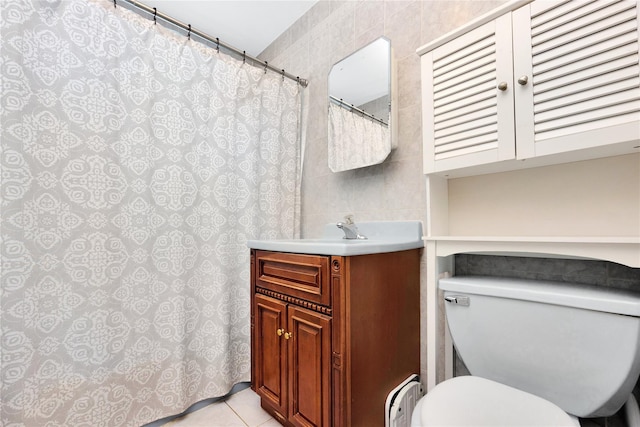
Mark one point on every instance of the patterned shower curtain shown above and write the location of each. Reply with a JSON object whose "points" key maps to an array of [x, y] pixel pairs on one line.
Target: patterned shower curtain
{"points": [[135, 163], [355, 141]]}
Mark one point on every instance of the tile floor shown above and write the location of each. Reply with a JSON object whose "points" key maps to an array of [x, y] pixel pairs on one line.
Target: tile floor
{"points": [[241, 409]]}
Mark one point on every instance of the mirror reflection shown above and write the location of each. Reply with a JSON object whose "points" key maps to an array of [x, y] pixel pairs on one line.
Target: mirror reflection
{"points": [[360, 107]]}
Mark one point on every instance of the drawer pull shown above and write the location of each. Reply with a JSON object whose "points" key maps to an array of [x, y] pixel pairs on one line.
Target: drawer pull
{"points": [[280, 332], [288, 335]]}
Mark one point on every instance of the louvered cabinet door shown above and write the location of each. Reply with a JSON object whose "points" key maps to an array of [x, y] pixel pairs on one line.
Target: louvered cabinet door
{"points": [[581, 63], [467, 120]]}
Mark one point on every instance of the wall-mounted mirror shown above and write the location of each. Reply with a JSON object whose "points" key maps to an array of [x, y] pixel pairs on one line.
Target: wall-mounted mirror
{"points": [[361, 108]]}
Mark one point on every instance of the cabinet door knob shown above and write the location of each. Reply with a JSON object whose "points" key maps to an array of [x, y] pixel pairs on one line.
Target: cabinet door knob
{"points": [[502, 86], [522, 81], [288, 335], [280, 332]]}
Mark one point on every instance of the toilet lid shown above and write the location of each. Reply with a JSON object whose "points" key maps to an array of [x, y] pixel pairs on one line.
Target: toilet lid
{"points": [[475, 401]]}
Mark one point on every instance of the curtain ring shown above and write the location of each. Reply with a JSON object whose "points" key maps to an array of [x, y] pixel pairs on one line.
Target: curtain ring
{"points": [[155, 16], [283, 74], [189, 33], [266, 63], [218, 44], [244, 56], [298, 80], [114, 4]]}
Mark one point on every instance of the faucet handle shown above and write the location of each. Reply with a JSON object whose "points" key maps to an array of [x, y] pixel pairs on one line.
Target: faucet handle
{"points": [[348, 219]]}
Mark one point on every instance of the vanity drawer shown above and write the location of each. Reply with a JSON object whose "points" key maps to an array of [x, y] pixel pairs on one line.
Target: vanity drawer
{"points": [[302, 276]]}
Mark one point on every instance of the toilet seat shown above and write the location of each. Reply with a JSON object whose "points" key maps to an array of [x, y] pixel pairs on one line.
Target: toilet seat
{"points": [[475, 401]]}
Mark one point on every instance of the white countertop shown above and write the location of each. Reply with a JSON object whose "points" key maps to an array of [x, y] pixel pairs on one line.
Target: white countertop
{"points": [[382, 236]]}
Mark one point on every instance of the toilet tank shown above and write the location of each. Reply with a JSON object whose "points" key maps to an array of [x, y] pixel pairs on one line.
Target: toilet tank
{"points": [[574, 345]]}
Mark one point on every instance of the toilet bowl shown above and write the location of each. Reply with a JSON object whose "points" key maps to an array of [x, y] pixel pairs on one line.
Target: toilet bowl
{"points": [[539, 353], [474, 401]]}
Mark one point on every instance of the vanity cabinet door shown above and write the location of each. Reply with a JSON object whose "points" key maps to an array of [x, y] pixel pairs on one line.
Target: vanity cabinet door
{"points": [[309, 351], [270, 358], [293, 361], [468, 102], [578, 74]]}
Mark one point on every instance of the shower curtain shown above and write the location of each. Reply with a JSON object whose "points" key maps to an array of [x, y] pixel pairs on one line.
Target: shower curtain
{"points": [[135, 163], [355, 141]]}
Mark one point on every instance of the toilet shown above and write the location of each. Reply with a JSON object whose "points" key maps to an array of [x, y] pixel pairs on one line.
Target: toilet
{"points": [[539, 353]]}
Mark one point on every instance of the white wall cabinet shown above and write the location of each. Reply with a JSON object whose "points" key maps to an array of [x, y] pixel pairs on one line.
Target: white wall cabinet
{"points": [[548, 82]]}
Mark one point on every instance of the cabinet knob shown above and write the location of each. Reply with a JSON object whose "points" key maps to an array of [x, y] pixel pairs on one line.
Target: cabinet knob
{"points": [[280, 332], [502, 86], [522, 81], [288, 335]]}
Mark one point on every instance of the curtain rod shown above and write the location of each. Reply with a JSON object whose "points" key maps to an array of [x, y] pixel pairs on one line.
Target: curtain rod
{"points": [[187, 27], [352, 107]]}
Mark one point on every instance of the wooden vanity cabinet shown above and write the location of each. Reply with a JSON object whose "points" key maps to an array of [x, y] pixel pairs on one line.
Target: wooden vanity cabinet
{"points": [[331, 336]]}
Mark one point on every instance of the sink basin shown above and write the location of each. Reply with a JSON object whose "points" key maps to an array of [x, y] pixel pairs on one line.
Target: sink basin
{"points": [[382, 236]]}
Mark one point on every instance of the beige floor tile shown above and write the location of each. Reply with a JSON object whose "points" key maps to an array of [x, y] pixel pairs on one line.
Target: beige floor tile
{"points": [[247, 405], [271, 423], [214, 415]]}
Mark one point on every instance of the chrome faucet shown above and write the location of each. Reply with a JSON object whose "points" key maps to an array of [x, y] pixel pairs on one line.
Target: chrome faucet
{"points": [[350, 229]]}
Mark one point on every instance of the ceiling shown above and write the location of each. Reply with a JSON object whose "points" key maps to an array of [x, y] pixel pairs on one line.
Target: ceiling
{"points": [[249, 25]]}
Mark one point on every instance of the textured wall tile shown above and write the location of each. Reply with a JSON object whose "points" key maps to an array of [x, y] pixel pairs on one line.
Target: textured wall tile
{"points": [[403, 28], [314, 223], [440, 17], [318, 13], [409, 135], [368, 14], [300, 28], [404, 187], [341, 188], [363, 38], [367, 189], [393, 7], [315, 161], [408, 81], [314, 193]]}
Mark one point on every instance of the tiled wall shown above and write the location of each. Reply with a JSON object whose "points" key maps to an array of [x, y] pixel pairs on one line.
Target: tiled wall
{"points": [[331, 30]]}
